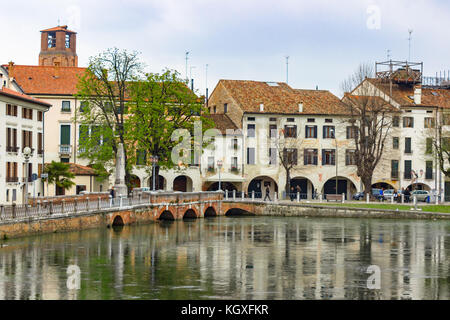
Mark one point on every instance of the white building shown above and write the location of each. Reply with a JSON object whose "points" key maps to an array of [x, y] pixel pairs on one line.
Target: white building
{"points": [[22, 125]]}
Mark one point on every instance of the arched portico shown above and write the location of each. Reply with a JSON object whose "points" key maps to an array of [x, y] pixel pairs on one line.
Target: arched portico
{"points": [[259, 184], [306, 187], [182, 183], [160, 183], [135, 181], [419, 186], [344, 186], [382, 185]]}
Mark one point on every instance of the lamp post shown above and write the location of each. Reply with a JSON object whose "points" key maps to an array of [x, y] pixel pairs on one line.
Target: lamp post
{"points": [[154, 161], [219, 166], [26, 153]]}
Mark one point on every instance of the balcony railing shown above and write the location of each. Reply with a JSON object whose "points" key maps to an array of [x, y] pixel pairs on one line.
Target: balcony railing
{"points": [[394, 175], [25, 179], [234, 170], [40, 152], [12, 149], [65, 149], [12, 179]]}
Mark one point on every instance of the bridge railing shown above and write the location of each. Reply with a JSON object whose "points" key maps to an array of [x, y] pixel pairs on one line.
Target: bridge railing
{"points": [[47, 208]]}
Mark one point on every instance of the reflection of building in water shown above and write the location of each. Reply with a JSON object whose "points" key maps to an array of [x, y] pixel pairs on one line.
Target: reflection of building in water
{"points": [[259, 258]]}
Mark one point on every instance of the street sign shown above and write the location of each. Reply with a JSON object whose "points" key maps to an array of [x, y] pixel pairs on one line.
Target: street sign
{"points": [[34, 177], [44, 175]]}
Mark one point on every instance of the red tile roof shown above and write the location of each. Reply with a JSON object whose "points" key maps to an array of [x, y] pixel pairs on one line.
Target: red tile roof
{"points": [[58, 28], [222, 122], [21, 96], [46, 79], [79, 170], [404, 94], [376, 101], [278, 97]]}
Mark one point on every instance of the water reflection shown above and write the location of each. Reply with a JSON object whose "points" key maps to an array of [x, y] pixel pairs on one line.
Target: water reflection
{"points": [[234, 258]]}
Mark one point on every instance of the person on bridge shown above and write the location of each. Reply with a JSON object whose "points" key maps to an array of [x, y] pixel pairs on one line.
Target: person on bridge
{"points": [[267, 194], [299, 190], [292, 194]]}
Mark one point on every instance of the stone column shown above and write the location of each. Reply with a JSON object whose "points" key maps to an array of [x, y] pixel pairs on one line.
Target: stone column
{"points": [[120, 188]]}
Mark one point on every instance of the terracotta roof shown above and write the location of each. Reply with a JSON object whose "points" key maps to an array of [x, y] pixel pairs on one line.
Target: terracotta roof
{"points": [[278, 97], [58, 28], [404, 94], [79, 170], [222, 122], [375, 101], [21, 96], [46, 79]]}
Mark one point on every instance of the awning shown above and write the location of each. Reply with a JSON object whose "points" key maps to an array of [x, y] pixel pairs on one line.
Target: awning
{"points": [[226, 177]]}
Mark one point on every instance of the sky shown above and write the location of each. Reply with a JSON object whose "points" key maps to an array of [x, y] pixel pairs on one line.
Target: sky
{"points": [[240, 39]]}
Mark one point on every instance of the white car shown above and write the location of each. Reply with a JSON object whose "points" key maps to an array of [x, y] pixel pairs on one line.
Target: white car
{"points": [[421, 195]]}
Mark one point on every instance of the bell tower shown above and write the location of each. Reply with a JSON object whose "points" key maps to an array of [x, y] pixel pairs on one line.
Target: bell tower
{"points": [[58, 47]]}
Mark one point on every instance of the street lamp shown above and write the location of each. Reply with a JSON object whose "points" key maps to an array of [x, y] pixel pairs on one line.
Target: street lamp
{"points": [[154, 161], [26, 153], [219, 166]]}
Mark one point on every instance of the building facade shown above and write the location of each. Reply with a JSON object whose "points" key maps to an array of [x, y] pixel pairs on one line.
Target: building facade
{"points": [[22, 123]]}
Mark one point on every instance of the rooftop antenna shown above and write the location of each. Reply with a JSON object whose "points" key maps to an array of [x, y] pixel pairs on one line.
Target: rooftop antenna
{"points": [[410, 31], [190, 75], [287, 69], [187, 54], [389, 55], [206, 84]]}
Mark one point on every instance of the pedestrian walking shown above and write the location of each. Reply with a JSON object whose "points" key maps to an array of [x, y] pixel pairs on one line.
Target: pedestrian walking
{"points": [[267, 194], [292, 194], [112, 193]]}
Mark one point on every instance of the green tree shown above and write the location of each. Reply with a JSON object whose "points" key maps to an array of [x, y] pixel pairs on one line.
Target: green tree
{"points": [[60, 175], [160, 104], [103, 92]]}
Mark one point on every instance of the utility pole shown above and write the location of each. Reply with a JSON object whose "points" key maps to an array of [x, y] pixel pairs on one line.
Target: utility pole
{"points": [[187, 54], [287, 69]]}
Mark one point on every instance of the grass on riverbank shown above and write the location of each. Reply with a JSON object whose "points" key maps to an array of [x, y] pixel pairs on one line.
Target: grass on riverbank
{"points": [[427, 208]]}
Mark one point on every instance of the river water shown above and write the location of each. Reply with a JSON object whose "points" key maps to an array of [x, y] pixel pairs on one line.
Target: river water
{"points": [[234, 258]]}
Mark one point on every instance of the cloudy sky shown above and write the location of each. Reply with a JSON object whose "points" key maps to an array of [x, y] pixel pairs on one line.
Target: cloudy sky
{"points": [[240, 39]]}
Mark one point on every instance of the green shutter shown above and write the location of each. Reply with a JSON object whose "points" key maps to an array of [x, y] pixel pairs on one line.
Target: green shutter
{"points": [[65, 135]]}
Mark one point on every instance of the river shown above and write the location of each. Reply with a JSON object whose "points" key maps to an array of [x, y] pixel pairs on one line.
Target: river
{"points": [[234, 258]]}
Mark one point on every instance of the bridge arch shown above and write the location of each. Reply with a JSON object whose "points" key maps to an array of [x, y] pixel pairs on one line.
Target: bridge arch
{"points": [[117, 221], [210, 212], [166, 215], [190, 214], [237, 212]]}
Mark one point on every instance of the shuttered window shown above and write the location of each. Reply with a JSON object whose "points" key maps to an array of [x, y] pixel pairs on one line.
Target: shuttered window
{"points": [[65, 135]]}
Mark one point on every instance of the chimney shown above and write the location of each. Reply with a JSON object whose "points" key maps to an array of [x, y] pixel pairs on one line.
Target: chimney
{"points": [[418, 94], [300, 107], [11, 69], [261, 107]]}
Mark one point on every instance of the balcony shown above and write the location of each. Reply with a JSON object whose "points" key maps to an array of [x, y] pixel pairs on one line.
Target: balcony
{"points": [[12, 149], [40, 152], [234, 170], [25, 179], [65, 149], [12, 179]]}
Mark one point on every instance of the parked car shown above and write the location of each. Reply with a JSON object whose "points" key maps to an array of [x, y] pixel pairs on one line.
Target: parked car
{"points": [[421, 195], [388, 194], [358, 196], [376, 193]]}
